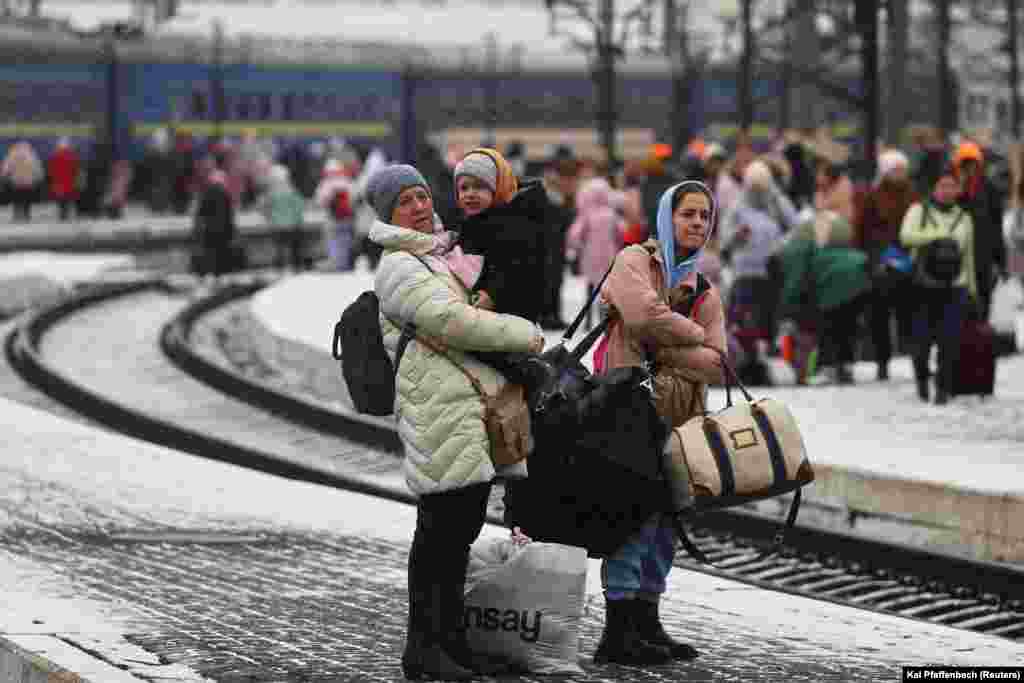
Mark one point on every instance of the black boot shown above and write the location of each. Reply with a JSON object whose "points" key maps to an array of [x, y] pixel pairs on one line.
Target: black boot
{"points": [[921, 377], [620, 641], [425, 658], [651, 630]]}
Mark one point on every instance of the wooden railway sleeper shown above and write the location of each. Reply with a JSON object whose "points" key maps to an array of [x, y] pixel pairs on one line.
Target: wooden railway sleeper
{"points": [[831, 583], [909, 602], [869, 598], [970, 612], [935, 608], [868, 586], [1009, 631]]}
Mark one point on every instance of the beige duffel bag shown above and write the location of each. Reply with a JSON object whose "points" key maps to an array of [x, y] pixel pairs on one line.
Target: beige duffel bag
{"points": [[745, 452]]}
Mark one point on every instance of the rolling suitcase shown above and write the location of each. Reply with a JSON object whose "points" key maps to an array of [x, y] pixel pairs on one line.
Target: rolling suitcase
{"points": [[975, 371]]}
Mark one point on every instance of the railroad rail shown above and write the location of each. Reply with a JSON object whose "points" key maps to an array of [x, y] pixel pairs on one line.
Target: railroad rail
{"points": [[821, 564]]}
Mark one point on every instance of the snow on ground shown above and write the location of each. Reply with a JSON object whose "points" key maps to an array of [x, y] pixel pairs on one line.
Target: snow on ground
{"points": [[875, 427], [66, 269], [38, 277]]}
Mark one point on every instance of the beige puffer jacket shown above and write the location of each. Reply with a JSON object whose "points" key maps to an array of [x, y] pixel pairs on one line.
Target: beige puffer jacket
{"points": [[439, 414]]}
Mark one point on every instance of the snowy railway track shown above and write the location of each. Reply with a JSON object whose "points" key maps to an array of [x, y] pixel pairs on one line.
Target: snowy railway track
{"points": [[143, 359]]}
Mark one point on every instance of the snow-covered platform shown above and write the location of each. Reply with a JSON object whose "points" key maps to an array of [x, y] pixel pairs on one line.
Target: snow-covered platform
{"points": [[137, 229], [887, 465], [121, 560]]}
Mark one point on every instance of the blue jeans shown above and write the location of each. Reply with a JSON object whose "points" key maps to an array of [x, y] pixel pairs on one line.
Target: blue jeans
{"points": [[639, 568]]}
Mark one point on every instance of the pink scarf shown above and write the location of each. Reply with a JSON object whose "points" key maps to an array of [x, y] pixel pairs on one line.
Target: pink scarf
{"points": [[466, 267]]}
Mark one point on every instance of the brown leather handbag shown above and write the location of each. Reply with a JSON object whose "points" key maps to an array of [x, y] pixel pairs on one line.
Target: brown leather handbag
{"points": [[506, 415]]}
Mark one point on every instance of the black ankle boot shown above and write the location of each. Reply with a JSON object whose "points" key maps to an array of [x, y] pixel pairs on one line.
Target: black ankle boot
{"points": [[620, 641], [425, 656], [922, 388], [921, 377], [651, 630]]}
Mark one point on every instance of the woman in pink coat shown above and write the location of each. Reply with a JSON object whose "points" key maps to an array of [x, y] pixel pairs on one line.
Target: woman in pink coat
{"points": [[650, 293], [597, 233]]}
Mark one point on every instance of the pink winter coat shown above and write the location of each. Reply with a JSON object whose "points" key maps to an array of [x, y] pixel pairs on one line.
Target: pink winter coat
{"points": [[598, 231], [645, 323]]}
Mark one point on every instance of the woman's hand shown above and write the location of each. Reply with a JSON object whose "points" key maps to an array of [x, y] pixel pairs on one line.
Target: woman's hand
{"points": [[538, 341], [519, 538], [483, 300]]}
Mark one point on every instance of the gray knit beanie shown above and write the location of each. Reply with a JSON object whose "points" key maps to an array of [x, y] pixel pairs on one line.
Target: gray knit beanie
{"points": [[479, 166], [386, 184]]}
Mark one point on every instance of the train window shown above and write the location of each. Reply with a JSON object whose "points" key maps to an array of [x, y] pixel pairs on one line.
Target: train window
{"points": [[199, 108], [309, 101], [1002, 114], [265, 106], [226, 106], [369, 106], [288, 106], [980, 109], [243, 107]]}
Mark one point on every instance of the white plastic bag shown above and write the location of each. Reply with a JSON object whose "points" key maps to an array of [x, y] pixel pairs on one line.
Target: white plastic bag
{"points": [[1007, 305], [1019, 332], [525, 603]]}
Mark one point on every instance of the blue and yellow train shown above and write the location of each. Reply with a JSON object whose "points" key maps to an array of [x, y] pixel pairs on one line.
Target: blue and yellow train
{"points": [[55, 85]]}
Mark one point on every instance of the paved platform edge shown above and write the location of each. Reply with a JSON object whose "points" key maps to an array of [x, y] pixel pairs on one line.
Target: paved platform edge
{"points": [[37, 658], [927, 514]]}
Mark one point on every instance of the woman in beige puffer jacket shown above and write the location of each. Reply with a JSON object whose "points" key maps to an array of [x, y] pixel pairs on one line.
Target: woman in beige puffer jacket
{"points": [[440, 415]]}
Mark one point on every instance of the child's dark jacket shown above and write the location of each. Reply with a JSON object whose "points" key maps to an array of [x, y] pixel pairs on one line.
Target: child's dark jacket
{"points": [[511, 240]]}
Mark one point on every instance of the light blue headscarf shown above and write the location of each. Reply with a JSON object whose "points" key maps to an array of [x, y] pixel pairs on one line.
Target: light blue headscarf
{"points": [[675, 272]]}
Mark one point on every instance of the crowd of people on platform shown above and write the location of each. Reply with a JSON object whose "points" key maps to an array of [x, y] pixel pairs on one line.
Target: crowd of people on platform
{"points": [[808, 260], [825, 269]]}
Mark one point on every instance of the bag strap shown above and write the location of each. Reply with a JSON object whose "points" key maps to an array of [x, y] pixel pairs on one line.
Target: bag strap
{"points": [[959, 216], [436, 348], [408, 332], [960, 212], [776, 544], [780, 537], [583, 311], [408, 329]]}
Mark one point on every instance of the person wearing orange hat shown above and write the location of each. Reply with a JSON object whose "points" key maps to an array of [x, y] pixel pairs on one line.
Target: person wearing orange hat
{"points": [[660, 176], [979, 198]]}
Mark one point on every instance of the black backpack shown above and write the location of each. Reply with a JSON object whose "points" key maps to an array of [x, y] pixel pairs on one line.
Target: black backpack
{"points": [[939, 261], [358, 344]]}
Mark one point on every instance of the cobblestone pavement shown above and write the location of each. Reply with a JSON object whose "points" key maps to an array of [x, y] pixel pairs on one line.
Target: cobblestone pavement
{"points": [[292, 607]]}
